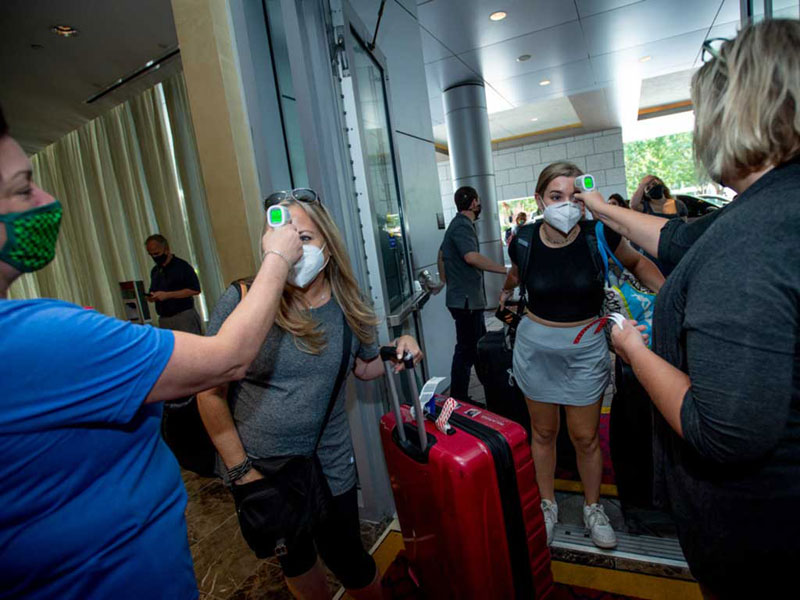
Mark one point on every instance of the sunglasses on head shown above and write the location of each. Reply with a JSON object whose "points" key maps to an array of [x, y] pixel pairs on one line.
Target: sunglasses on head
{"points": [[299, 194], [712, 48]]}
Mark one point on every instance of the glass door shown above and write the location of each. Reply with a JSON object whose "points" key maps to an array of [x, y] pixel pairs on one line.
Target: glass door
{"points": [[377, 181]]}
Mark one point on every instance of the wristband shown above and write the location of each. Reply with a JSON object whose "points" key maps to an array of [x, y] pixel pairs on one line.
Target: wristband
{"points": [[240, 470], [281, 254]]}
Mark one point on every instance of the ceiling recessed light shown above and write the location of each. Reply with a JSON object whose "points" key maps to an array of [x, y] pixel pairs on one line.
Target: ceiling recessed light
{"points": [[523, 57], [644, 59], [535, 119], [545, 82], [498, 16], [64, 30]]}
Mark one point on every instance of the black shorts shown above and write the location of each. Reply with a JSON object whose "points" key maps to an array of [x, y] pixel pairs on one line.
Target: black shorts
{"points": [[337, 539]]}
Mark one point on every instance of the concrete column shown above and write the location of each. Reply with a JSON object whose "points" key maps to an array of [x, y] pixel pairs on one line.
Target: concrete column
{"points": [[222, 130], [470, 146]]}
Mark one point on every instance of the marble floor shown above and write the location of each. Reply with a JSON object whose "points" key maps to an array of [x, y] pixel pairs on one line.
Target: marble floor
{"points": [[225, 567]]}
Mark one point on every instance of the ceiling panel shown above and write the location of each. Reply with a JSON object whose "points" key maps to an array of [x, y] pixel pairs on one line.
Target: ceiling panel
{"points": [[676, 53], [432, 49], [554, 46], [586, 8], [463, 25], [730, 11], [526, 89], [444, 73], [496, 102], [437, 109], [44, 90], [646, 22], [666, 89], [549, 114], [440, 134], [788, 12]]}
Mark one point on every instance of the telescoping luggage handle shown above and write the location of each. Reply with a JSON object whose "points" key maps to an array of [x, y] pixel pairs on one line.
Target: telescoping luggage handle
{"points": [[387, 354]]}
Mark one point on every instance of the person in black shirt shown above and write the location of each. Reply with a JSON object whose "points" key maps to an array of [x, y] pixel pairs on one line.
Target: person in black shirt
{"points": [[173, 286], [553, 364], [653, 197], [724, 373]]}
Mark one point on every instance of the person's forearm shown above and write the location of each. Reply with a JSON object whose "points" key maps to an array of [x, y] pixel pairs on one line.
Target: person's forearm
{"points": [[665, 384], [366, 370], [217, 419], [511, 281], [643, 230], [484, 263], [440, 265], [184, 293], [647, 272], [243, 332], [637, 198]]}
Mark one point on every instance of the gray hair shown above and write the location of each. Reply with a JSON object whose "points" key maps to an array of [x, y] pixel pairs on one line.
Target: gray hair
{"points": [[158, 238]]}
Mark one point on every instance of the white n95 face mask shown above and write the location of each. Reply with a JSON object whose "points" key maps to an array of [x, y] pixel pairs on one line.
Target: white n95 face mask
{"points": [[563, 215], [308, 267]]}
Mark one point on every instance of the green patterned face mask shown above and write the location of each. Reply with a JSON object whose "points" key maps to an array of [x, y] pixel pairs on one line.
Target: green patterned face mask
{"points": [[31, 237]]}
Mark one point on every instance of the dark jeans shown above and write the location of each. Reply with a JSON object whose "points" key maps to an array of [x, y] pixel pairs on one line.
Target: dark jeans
{"points": [[470, 327]]}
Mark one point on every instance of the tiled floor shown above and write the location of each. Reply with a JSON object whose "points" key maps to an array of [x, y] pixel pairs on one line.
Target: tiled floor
{"points": [[225, 567]]}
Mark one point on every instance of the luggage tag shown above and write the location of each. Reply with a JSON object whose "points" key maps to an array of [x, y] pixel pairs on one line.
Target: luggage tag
{"points": [[427, 397]]}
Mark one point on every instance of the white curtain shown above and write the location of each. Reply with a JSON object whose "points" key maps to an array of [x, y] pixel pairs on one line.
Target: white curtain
{"points": [[130, 173]]}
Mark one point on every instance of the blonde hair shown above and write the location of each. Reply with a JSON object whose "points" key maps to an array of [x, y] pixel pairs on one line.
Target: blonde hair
{"points": [[306, 331], [553, 171], [747, 102]]}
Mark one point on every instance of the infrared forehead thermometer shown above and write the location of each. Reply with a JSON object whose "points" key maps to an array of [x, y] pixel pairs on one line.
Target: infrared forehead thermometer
{"points": [[585, 183], [278, 216]]}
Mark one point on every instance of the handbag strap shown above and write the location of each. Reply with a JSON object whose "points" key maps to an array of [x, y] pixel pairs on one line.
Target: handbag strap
{"points": [[347, 340]]}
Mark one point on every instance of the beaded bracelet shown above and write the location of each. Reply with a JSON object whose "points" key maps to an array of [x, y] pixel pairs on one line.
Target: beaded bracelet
{"points": [[240, 470]]}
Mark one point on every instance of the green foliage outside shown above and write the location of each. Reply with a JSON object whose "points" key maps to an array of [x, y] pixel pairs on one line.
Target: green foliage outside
{"points": [[670, 157]]}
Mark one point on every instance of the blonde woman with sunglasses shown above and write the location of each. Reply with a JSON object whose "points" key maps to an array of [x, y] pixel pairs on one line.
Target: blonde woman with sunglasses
{"points": [[282, 406]]}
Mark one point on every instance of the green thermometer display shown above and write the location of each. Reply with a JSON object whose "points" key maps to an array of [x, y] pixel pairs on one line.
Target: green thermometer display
{"points": [[278, 216], [585, 183]]}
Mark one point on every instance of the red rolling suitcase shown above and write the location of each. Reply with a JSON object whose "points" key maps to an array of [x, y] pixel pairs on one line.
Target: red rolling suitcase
{"points": [[467, 502]]}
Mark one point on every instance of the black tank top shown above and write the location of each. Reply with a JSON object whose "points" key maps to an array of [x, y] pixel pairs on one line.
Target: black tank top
{"points": [[563, 284]]}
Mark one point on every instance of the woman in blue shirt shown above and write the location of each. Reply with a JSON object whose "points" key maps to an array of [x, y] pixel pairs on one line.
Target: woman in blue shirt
{"points": [[92, 499]]}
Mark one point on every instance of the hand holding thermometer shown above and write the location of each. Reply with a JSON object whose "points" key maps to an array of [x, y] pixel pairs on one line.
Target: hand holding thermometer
{"points": [[278, 216]]}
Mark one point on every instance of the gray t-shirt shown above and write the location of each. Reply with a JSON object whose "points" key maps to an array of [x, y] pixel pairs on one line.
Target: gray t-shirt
{"points": [[279, 406], [464, 282]]}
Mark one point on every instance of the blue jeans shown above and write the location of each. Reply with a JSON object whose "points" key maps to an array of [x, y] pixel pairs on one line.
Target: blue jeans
{"points": [[470, 327]]}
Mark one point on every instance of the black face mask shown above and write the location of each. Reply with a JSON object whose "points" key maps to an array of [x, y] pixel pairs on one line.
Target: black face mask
{"points": [[476, 211], [656, 192], [160, 259]]}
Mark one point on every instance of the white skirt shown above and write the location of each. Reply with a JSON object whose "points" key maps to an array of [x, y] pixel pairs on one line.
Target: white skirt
{"points": [[549, 367]]}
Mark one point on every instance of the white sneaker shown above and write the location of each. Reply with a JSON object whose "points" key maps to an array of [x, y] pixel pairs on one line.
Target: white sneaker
{"points": [[550, 510], [596, 521]]}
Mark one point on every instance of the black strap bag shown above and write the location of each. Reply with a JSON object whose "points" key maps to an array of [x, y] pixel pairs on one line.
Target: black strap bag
{"points": [[294, 495]]}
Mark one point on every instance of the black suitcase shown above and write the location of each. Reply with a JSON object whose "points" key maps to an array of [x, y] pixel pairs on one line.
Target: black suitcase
{"points": [[631, 439], [494, 372]]}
